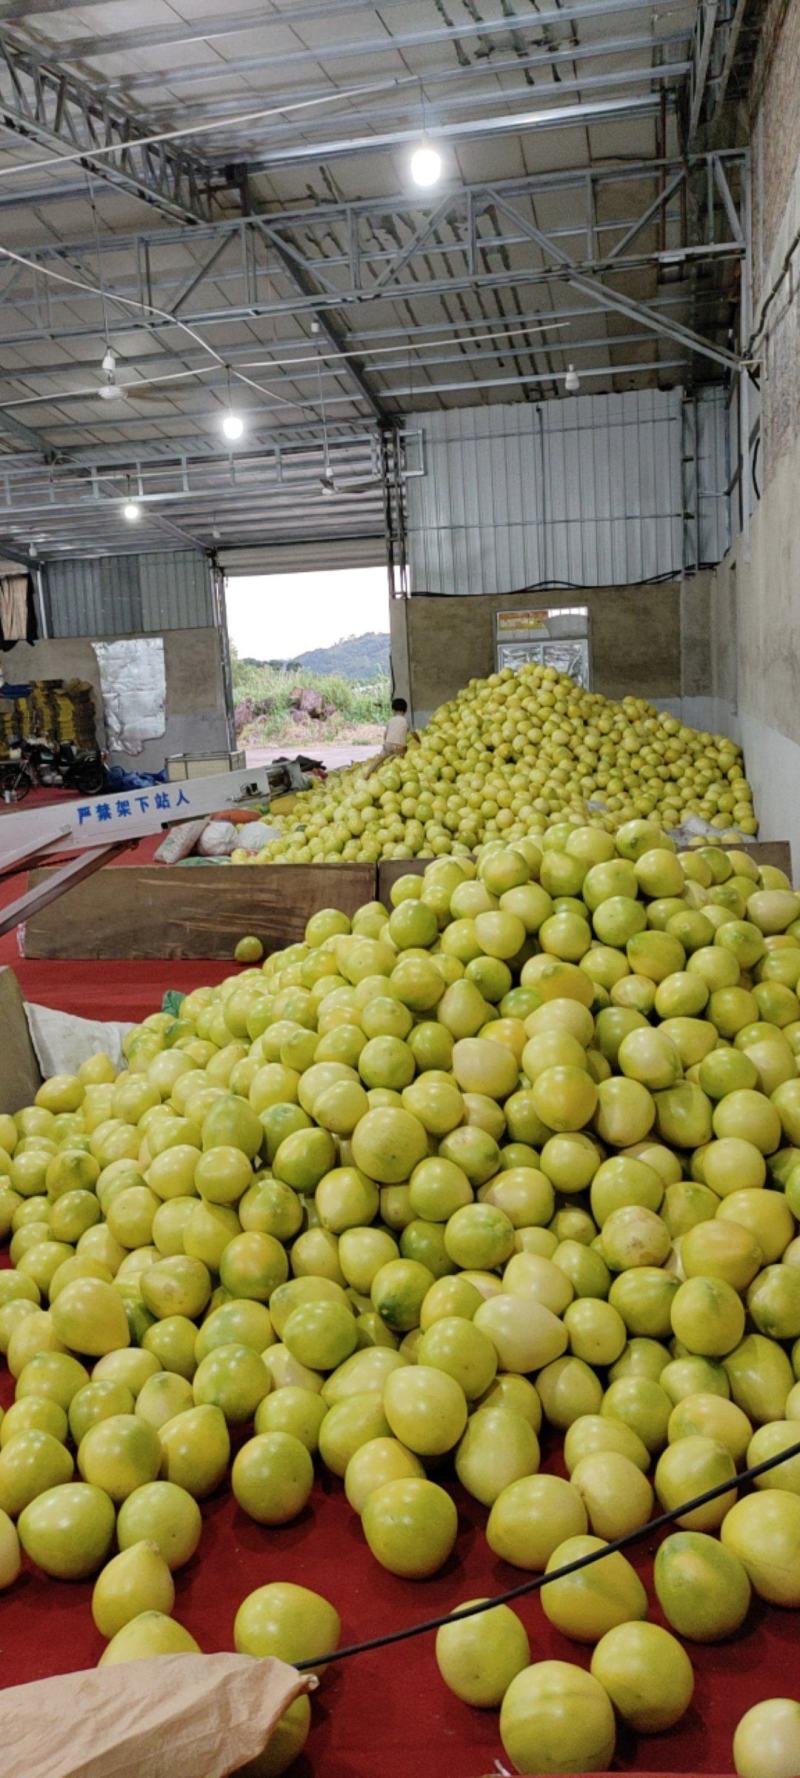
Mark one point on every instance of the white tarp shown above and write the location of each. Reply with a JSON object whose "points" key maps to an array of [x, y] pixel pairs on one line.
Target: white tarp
{"points": [[62, 1041], [133, 681]]}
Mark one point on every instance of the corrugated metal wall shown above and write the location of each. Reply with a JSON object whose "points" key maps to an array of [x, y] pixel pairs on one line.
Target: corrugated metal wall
{"points": [[586, 491], [313, 556], [129, 595], [706, 473]]}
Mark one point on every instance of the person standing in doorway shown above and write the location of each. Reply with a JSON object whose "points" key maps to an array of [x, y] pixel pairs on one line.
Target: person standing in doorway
{"points": [[396, 736]]}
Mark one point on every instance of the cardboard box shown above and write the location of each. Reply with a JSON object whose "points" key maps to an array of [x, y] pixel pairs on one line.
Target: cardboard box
{"points": [[181, 766]]}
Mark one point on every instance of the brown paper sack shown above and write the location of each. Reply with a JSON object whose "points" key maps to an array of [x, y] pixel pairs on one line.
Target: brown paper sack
{"points": [[174, 1716]]}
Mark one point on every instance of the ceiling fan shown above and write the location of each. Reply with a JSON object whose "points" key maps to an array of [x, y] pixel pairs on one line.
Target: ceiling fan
{"points": [[111, 390], [348, 490]]}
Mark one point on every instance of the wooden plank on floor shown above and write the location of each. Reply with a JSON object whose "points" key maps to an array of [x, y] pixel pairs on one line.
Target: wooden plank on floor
{"points": [[176, 911]]}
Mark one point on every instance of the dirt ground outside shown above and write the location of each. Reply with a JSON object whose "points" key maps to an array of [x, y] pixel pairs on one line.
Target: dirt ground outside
{"points": [[332, 757]]}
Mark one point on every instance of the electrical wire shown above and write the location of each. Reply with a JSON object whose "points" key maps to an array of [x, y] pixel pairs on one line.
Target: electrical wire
{"points": [[100, 278], [583, 586], [313, 358], [196, 129], [428, 1625], [145, 308]]}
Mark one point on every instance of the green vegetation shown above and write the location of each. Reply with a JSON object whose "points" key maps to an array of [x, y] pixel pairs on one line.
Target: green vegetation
{"points": [[293, 705]]}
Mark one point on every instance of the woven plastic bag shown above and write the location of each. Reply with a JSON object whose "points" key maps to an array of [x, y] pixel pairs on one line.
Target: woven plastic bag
{"points": [[175, 1716]]}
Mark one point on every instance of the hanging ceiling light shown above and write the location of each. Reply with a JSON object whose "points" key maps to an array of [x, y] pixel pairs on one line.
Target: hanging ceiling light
{"points": [[572, 381], [231, 424], [109, 362], [110, 391], [426, 164], [131, 511]]}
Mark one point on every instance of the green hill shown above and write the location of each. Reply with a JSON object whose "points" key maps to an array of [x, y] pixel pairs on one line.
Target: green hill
{"points": [[355, 657]]}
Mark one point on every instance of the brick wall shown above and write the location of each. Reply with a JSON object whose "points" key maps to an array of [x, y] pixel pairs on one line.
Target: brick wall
{"points": [[775, 135]]}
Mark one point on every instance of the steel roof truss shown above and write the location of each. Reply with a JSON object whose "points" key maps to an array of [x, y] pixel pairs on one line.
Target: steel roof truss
{"points": [[53, 109]]}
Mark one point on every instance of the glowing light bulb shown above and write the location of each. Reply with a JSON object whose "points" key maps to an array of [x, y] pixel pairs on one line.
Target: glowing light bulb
{"points": [[131, 511], [232, 425], [426, 164]]}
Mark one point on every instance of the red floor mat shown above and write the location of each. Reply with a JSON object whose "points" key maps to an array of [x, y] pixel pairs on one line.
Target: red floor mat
{"points": [[113, 989], [388, 1715]]}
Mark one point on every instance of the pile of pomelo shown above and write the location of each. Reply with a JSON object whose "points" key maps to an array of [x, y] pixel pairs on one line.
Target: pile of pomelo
{"points": [[502, 759], [515, 1158]]}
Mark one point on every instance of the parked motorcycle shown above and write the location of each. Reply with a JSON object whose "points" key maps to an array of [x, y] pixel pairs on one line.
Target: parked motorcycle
{"points": [[36, 763]]}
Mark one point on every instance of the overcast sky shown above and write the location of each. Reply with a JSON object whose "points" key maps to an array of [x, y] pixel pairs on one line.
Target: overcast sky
{"points": [[279, 616]]}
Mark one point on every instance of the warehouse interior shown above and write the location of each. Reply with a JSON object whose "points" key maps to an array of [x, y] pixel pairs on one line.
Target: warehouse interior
{"points": [[268, 253], [501, 295]]}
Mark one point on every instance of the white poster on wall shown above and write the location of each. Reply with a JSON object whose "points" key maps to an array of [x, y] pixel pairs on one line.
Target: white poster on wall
{"points": [[133, 682]]}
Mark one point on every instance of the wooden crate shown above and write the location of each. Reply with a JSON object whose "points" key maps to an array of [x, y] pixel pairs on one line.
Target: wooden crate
{"points": [[776, 852], [173, 911], [143, 911], [392, 868]]}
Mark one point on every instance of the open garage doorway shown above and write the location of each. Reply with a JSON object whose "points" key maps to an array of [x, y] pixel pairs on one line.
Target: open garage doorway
{"points": [[310, 662]]}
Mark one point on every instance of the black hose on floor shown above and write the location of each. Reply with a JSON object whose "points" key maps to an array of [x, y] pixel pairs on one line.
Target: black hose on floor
{"points": [[544, 1580]]}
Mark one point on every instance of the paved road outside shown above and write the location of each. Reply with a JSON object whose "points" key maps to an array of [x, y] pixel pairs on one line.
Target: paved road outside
{"points": [[331, 757]]}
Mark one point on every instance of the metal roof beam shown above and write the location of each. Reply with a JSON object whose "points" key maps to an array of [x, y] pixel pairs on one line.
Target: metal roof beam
{"points": [[289, 447], [523, 276], [64, 115], [476, 129], [329, 326], [618, 303], [527, 23], [459, 356], [730, 33], [55, 111], [15, 12], [364, 268], [396, 204], [16, 429], [661, 73], [36, 196], [648, 368], [372, 341], [446, 74], [11, 550], [703, 42]]}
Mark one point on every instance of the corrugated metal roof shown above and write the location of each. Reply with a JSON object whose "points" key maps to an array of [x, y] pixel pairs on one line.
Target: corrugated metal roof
{"points": [[316, 105]]}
